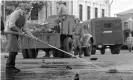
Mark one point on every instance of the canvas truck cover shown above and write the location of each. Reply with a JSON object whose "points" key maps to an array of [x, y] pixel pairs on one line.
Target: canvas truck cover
{"points": [[107, 31]]}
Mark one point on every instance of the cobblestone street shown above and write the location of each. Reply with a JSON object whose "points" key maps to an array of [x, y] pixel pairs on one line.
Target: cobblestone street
{"points": [[31, 69]]}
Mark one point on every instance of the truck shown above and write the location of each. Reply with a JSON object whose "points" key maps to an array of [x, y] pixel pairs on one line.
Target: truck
{"points": [[107, 32], [59, 36]]}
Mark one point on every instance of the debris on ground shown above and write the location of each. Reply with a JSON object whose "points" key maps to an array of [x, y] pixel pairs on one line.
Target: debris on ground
{"points": [[113, 71]]}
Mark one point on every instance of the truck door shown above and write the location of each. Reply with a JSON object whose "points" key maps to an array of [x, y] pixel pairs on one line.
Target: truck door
{"points": [[112, 32], [98, 29], [108, 31]]}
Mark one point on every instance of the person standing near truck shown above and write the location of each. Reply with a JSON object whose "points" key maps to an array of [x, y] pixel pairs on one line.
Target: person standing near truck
{"points": [[77, 35], [16, 23], [2, 26], [130, 42], [62, 11]]}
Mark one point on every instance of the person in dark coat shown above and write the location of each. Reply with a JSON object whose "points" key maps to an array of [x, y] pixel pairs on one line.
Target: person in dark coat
{"points": [[2, 25], [16, 23], [2, 36]]}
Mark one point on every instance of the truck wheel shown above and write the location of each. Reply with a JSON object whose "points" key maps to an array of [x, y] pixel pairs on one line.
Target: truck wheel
{"points": [[57, 53], [87, 50], [68, 47], [115, 50], [47, 54], [32, 53], [118, 51], [93, 52], [25, 53], [102, 51]]}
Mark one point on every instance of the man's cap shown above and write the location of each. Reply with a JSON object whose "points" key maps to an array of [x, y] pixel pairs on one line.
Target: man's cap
{"points": [[77, 19], [61, 2]]}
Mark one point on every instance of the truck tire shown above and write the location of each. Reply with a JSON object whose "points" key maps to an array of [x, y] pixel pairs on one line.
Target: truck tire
{"points": [[115, 50], [87, 50], [55, 53], [25, 53], [93, 52], [87, 42], [68, 47], [47, 54], [102, 51], [32, 53]]}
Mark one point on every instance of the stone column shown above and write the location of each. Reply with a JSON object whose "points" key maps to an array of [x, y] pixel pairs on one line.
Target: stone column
{"points": [[92, 10], [84, 11], [75, 8]]}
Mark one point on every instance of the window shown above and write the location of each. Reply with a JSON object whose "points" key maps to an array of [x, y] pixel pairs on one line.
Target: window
{"points": [[88, 26], [96, 12], [80, 12], [103, 11], [107, 25], [88, 12], [125, 25], [34, 12], [34, 15], [85, 27]]}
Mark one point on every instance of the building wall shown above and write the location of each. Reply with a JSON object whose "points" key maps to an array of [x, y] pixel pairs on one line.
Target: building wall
{"points": [[93, 4], [73, 8], [127, 21]]}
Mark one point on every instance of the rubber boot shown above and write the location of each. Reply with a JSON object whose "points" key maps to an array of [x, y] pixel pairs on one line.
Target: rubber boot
{"points": [[10, 64], [80, 52]]}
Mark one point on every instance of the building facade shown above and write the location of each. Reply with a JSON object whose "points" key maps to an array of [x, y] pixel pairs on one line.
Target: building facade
{"points": [[127, 19], [88, 9], [82, 9]]}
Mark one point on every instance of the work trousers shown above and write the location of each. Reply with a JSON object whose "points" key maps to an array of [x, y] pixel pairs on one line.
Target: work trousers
{"points": [[11, 60], [77, 45]]}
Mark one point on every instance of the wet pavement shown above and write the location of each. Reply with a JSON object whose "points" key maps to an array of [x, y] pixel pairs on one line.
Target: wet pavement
{"points": [[67, 69]]}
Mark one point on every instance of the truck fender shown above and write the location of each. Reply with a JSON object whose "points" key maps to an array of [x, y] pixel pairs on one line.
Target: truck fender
{"points": [[85, 40]]}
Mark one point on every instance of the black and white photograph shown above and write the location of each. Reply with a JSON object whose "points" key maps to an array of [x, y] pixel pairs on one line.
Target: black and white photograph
{"points": [[66, 40]]}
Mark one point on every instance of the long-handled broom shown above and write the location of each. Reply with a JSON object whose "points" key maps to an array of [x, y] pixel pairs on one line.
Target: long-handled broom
{"points": [[35, 38]]}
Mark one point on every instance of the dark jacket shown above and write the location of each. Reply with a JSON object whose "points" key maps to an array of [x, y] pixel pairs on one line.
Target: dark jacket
{"points": [[2, 25]]}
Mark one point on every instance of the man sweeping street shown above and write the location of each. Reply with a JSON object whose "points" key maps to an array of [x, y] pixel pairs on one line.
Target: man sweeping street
{"points": [[16, 23]]}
